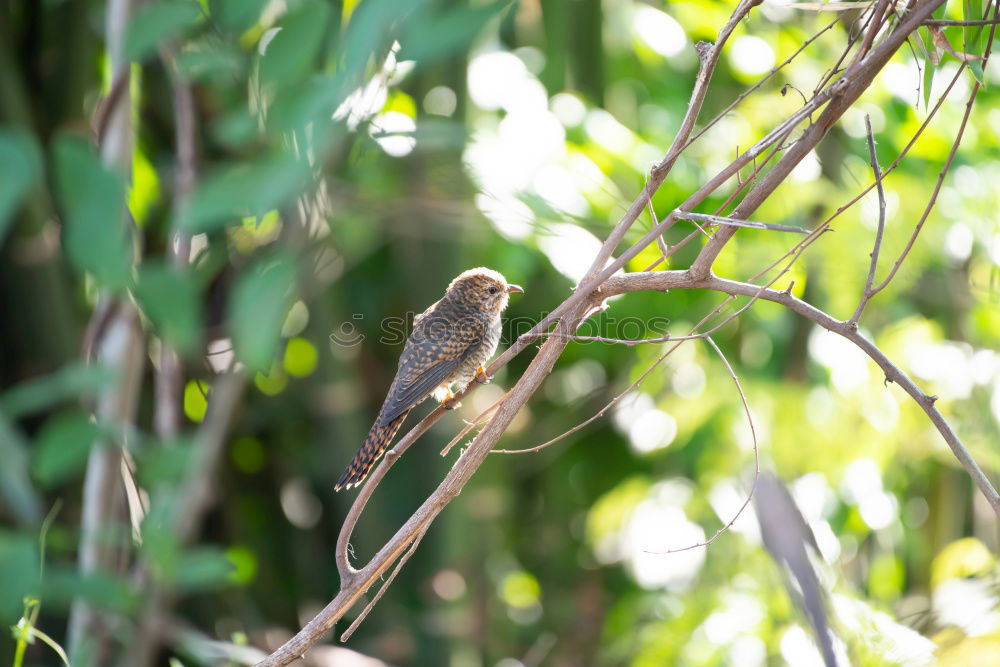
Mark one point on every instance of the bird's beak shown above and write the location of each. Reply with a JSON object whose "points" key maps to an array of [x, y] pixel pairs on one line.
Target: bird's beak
{"points": [[515, 288]]}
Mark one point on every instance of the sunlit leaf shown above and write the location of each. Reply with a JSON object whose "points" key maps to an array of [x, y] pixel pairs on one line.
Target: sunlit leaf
{"points": [[170, 300], [145, 189], [244, 564], [20, 169], [93, 202], [155, 23], [929, 68], [195, 401], [62, 447], [261, 299], [976, 67], [300, 357], [237, 191], [966, 557], [972, 36]]}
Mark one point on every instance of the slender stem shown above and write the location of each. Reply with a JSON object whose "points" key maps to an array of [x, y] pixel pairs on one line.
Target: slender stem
{"points": [[880, 230]]}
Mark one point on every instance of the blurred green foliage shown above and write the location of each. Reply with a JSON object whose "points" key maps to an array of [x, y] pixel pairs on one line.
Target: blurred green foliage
{"points": [[352, 157]]}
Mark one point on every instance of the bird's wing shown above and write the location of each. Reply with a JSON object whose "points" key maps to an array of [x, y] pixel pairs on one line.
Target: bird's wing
{"points": [[427, 361]]}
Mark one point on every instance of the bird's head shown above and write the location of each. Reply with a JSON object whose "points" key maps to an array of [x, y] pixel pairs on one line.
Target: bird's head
{"points": [[482, 288]]}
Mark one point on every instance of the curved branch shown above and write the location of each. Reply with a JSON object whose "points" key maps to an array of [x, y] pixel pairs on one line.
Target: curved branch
{"points": [[634, 282]]}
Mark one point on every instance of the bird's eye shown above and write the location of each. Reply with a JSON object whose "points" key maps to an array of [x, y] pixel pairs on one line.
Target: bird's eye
{"points": [[494, 289]]}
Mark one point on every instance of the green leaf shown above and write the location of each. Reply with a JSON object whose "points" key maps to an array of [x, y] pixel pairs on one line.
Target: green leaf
{"points": [[93, 202], [170, 300], [292, 51], [976, 67], [371, 30], [202, 569], [70, 382], [261, 299], [154, 24], [928, 80], [429, 38], [18, 573], [164, 465], [20, 169], [62, 447], [237, 15], [243, 190], [62, 584], [205, 63], [15, 485]]}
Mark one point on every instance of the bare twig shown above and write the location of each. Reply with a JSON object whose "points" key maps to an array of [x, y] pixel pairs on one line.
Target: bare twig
{"points": [[877, 171], [756, 458], [610, 404], [842, 93], [632, 282], [481, 418], [381, 591], [934, 194]]}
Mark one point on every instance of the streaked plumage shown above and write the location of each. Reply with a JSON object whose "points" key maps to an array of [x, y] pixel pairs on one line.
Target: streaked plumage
{"points": [[450, 342]]}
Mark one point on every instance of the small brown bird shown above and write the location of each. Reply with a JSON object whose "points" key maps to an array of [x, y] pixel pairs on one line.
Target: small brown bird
{"points": [[450, 343]]}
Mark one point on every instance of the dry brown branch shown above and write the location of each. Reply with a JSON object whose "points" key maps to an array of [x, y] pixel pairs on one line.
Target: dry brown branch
{"points": [[385, 585], [601, 282]]}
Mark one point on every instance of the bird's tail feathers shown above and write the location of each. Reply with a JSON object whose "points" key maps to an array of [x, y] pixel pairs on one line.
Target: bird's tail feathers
{"points": [[371, 449]]}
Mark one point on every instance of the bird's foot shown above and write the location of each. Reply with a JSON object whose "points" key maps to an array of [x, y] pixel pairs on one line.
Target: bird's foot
{"points": [[450, 402], [481, 377]]}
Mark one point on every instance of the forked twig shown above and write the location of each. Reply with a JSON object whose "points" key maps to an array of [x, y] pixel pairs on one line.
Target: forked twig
{"points": [[381, 591]]}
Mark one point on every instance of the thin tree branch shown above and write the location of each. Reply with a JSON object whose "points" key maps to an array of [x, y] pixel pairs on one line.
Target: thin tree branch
{"points": [[877, 171], [385, 586], [756, 458], [934, 194], [169, 380], [843, 93], [664, 280]]}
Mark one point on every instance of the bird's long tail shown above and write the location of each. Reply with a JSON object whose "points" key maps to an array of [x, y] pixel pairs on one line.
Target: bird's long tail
{"points": [[374, 445]]}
